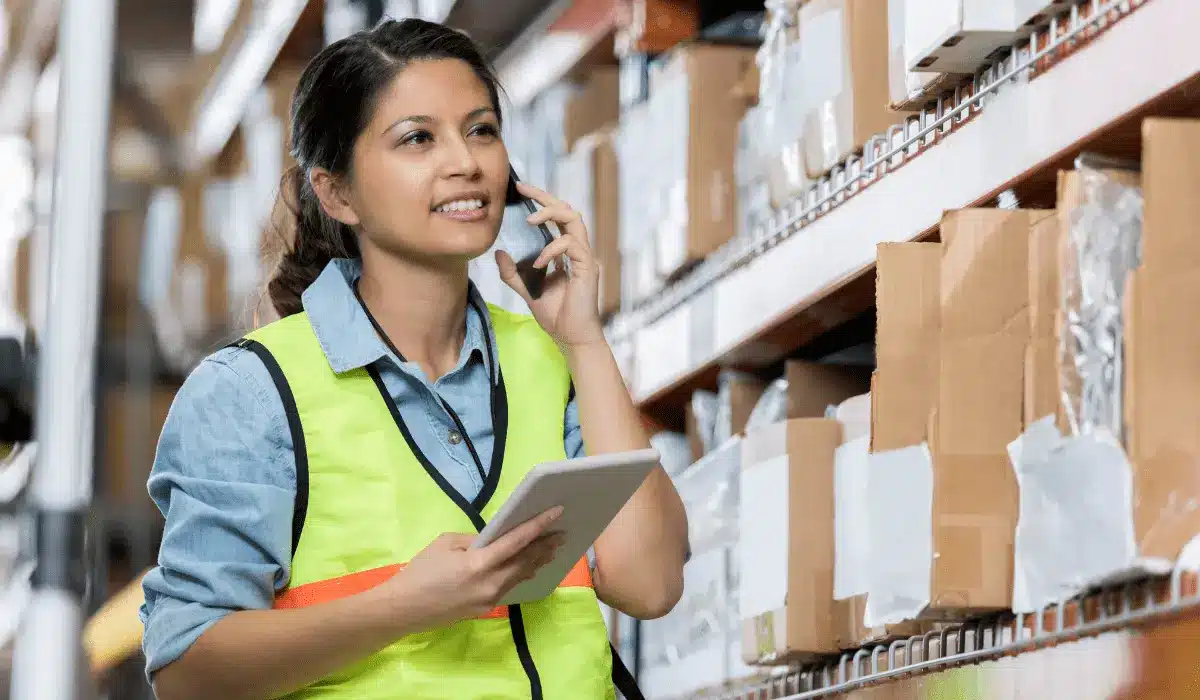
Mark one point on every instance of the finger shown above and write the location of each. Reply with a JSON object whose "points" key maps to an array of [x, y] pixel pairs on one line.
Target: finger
{"points": [[570, 246], [510, 544], [569, 221], [538, 195], [508, 274]]}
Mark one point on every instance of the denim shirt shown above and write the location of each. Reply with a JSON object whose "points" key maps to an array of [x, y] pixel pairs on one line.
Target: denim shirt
{"points": [[225, 473]]}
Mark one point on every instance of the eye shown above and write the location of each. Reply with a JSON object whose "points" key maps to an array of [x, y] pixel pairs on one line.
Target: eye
{"points": [[485, 130], [416, 138]]}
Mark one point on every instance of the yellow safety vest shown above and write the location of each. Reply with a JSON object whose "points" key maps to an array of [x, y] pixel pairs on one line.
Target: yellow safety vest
{"points": [[368, 501]]}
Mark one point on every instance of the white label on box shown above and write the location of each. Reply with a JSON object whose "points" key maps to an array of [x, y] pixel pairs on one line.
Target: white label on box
{"points": [[851, 519], [823, 47], [1076, 513], [763, 525], [900, 497]]}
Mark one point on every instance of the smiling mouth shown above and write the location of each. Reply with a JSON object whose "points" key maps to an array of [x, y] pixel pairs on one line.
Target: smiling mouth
{"points": [[460, 206]]}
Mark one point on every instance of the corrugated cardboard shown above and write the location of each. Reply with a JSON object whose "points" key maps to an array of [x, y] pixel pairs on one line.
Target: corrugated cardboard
{"points": [[1163, 374], [703, 75], [805, 625], [814, 386], [1045, 298], [908, 304], [588, 178], [595, 106], [984, 332], [847, 78]]}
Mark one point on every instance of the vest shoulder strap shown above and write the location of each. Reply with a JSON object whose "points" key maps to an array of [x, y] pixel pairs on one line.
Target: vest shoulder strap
{"points": [[295, 427]]}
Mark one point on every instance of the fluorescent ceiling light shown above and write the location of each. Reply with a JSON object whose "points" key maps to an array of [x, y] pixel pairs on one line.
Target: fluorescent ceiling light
{"points": [[435, 10], [541, 63], [212, 20], [239, 75]]}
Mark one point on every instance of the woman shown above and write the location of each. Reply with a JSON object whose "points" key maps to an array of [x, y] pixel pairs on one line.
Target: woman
{"points": [[322, 478]]}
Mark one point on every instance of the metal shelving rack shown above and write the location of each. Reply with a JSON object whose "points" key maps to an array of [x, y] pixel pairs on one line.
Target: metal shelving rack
{"points": [[1105, 609], [884, 153], [48, 659]]}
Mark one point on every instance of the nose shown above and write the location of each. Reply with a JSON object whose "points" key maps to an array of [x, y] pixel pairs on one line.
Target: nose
{"points": [[459, 160]]}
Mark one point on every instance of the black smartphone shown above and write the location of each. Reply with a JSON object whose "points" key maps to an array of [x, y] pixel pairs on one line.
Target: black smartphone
{"points": [[533, 277]]}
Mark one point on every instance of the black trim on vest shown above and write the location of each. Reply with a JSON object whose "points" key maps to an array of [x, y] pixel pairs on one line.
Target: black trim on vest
{"points": [[300, 507], [625, 681], [466, 507]]}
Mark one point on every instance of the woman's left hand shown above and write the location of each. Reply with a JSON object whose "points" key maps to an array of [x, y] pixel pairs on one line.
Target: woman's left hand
{"points": [[567, 309]]}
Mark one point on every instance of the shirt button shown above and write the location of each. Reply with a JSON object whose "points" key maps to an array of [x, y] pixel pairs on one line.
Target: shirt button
{"points": [[454, 437]]}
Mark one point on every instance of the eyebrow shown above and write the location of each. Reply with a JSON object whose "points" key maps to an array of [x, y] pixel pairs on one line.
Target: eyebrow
{"points": [[426, 119]]}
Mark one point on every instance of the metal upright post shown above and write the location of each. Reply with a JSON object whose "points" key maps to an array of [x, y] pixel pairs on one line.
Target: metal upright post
{"points": [[48, 663]]}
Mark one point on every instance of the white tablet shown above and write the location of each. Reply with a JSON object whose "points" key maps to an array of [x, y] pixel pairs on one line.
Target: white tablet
{"points": [[591, 490]]}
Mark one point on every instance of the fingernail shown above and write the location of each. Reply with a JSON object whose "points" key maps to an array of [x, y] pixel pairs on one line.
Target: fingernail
{"points": [[556, 512], [530, 218]]}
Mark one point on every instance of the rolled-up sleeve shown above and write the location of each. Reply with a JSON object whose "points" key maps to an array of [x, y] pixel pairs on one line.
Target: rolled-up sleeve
{"points": [[572, 431], [224, 477]]}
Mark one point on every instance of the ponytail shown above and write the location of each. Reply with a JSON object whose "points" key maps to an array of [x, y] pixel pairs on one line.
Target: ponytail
{"points": [[306, 239]]}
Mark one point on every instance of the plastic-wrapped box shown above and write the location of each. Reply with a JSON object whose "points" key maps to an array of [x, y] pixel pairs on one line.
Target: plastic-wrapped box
{"points": [[844, 54], [750, 174], [1102, 248], [1091, 526], [781, 103], [697, 645]]}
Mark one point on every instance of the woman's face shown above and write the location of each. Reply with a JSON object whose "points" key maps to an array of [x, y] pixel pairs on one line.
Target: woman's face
{"points": [[430, 170]]}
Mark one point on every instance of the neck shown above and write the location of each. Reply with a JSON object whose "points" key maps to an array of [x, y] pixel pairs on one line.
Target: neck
{"points": [[421, 308]]}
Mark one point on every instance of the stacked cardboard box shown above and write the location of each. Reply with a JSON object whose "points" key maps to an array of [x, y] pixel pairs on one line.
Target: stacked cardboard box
{"points": [[1163, 376], [587, 178], [984, 331]]}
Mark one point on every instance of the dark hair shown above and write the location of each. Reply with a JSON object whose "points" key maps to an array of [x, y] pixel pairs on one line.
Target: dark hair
{"points": [[333, 102]]}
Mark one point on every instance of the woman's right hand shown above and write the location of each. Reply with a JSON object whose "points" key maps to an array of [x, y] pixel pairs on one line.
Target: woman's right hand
{"points": [[448, 581]]}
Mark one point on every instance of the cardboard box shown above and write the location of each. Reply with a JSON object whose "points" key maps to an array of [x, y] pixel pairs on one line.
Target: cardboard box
{"points": [[957, 36], [908, 303], [655, 26], [701, 216], [982, 339], [595, 106], [676, 153], [813, 386], [127, 441], [1163, 377], [1045, 298], [200, 286], [845, 64], [910, 91], [587, 178], [787, 541]]}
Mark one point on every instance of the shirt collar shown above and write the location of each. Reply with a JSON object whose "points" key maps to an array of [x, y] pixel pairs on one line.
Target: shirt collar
{"points": [[347, 336]]}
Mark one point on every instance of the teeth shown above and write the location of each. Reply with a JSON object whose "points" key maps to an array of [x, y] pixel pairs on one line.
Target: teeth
{"points": [[461, 205]]}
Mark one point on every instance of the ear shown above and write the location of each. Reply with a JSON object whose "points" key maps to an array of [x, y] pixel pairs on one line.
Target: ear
{"points": [[333, 200]]}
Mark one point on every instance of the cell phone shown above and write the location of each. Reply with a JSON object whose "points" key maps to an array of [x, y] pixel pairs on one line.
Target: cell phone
{"points": [[533, 277]]}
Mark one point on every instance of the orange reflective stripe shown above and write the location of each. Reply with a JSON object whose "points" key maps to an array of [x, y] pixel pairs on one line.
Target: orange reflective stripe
{"points": [[580, 576]]}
